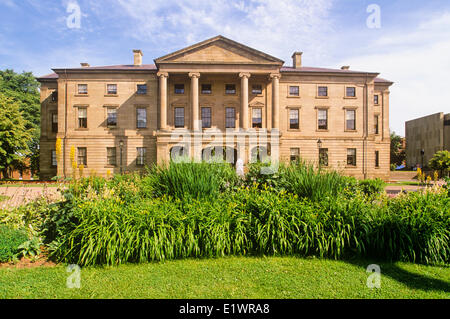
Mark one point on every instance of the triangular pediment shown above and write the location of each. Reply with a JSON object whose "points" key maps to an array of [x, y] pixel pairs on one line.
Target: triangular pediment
{"points": [[218, 50]]}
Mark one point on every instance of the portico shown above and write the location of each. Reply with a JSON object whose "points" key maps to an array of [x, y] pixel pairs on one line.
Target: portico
{"points": [[218, 63]]}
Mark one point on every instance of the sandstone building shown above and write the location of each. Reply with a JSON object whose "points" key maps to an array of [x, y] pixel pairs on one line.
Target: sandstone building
{"points": [[426, 135], [121, 118]]}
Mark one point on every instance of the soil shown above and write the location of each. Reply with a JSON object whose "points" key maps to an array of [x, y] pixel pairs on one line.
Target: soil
{"points": [[41, 261]]}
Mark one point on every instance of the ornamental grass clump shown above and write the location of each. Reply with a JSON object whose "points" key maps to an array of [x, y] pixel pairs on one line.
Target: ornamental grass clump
{"points": [[192, 179], [412, 227]]}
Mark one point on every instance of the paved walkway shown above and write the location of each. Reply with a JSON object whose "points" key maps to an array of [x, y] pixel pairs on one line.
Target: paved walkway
{"points": [[17, 196]]}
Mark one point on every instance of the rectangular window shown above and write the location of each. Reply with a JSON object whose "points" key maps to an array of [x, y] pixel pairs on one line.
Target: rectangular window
{"points": [[206, 117], [111, 120], [142, 89], [351, 156], [350, 121], [54, 160], [294, 119], [377, 158], [179, 117], [82, 117], [323, 156], [55, 122], [322, 119], [141, 117], [257, 118], [111, 156], [350, 92], [295, 154], [140, 159], [256, 89], [294, 90], [375, 99], [375, 124], [230, 88], [322, 91], [54, 96], [82, 156], [206, 89], [179, 88], [111, 88], [230, 117], [82, 89]]}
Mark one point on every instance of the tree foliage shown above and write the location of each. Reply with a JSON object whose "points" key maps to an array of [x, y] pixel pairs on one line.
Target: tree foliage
{"points": [[440, 161], [14, 137], [398, 154], [23, 90]]}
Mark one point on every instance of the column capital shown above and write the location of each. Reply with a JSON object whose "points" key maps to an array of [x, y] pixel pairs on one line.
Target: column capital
{"points": [[194, 74], [275, 75], [162, 74], [244, 75]]}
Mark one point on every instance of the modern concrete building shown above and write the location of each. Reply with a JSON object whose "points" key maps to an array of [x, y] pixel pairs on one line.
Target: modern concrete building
{"points": [[426, 135], [120, 118]]}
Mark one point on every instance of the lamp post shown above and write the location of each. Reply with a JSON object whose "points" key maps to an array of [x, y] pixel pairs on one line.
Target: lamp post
{"points": [[422, 153], [319, 146], [121, 152]]}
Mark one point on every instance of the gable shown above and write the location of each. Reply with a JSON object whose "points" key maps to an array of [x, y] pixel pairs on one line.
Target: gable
{"points": [[218, 50], [214, 53]]}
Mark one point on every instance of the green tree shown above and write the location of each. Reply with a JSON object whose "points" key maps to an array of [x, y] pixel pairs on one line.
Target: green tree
{"points": [[398, 154], [23, 89], [14, 137], [440, 162]]}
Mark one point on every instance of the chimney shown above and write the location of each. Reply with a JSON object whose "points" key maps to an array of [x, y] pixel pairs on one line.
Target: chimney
{"points": [[137, 57], [345, 67], [85, 65], [297, 60]]}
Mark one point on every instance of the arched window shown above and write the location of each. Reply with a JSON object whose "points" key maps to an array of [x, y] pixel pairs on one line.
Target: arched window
{"points": [[178, 153], [220, 154], [260, 154]]}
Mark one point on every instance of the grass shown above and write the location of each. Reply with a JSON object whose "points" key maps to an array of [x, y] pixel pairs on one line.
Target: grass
{"points": [[3, 197], [234, 277]]}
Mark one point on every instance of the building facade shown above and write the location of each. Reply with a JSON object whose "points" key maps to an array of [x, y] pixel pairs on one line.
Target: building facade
{"points": [[114, 119], [425, 136]]}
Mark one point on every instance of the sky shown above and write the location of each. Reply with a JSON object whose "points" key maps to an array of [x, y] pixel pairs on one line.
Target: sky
{"points": [[407, 43]]}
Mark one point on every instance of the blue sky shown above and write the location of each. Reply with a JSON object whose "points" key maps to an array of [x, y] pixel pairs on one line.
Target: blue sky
{"points": [[411, 48]]}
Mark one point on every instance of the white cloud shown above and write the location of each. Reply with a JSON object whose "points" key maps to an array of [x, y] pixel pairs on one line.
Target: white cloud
{"points": [[8, 3], [418, 62], [278, 27]]}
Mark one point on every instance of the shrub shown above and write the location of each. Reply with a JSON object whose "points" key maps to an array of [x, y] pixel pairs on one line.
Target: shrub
{"points": [[27, 217], [441, 162], [10, 240], [371, 186]]}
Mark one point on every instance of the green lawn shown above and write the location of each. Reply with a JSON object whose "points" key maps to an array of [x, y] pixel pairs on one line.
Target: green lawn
{"points": [[234, 277], [3, 197]]}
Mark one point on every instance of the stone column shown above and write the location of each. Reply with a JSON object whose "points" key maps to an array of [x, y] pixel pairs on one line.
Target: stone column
{"points": [[244, 99], [163, 99], [194, 101], [275, 100]]}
